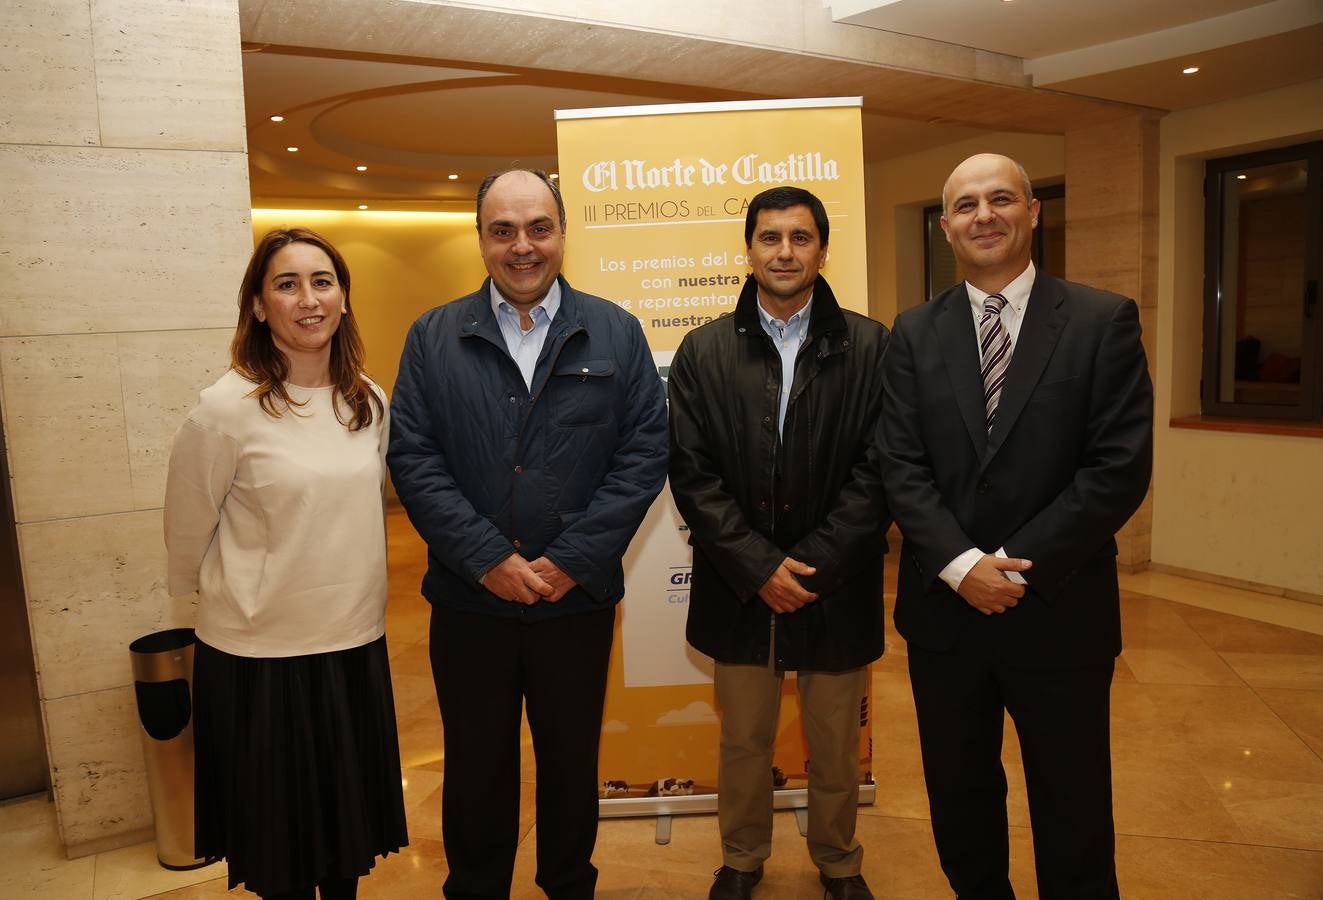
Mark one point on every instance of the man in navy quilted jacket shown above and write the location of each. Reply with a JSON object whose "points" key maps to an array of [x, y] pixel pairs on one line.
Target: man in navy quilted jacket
{"points": [[528, 438]]}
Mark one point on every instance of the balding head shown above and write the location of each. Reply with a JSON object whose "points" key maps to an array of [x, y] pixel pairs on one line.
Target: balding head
{"points": [[979, 159], [989, 216], [521, 234], [520, 175]]}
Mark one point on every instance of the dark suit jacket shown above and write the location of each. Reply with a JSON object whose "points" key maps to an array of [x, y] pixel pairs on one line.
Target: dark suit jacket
{"points": [[1067, 463]]}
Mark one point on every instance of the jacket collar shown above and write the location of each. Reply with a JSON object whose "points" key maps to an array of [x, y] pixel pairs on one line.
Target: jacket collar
{"points": [[955, 332], [479, 319], [1043, 322], [827, 316]]}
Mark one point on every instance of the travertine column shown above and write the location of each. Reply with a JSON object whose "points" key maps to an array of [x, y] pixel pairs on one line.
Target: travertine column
{"points": [[122, 152], [1112, 243]]}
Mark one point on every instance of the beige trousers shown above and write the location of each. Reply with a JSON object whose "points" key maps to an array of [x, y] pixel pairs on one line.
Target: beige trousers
{"points": [[750, 699]]}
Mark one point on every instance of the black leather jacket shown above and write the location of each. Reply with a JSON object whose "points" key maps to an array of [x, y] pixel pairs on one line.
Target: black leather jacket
{"points": [[751, 497]]}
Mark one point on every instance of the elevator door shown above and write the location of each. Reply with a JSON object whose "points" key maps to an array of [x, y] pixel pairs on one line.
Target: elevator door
{"points": [[22, 752]]}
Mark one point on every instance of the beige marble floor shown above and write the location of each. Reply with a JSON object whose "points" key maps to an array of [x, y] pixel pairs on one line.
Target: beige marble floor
{"points": [[1217, 742]]}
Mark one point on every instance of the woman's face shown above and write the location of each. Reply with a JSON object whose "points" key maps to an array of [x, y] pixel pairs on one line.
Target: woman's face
{"points": [[301, 300]]}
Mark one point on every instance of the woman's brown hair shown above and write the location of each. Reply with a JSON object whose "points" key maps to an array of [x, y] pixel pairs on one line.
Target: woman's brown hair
{"points": [[255, 356]]}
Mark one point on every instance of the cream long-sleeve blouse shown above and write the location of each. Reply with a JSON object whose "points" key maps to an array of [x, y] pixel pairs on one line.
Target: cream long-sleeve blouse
{"points": [[278, 523]]}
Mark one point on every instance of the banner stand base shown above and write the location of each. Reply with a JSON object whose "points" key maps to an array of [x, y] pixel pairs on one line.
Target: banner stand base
{"points": [[694, 804]]}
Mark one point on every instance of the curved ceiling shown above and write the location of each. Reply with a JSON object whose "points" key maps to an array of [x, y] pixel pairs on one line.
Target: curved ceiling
{"points": [[413, 123], [425, 119], [393, 132]]}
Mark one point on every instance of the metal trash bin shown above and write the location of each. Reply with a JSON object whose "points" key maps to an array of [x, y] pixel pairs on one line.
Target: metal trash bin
{"points": [[163, 682]]}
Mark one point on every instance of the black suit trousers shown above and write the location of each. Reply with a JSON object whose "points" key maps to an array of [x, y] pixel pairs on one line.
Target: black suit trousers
{"points": [[485, 669], [1061, 717]]}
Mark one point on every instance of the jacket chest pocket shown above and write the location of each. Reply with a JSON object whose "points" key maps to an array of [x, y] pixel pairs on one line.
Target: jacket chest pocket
{"points": [[582, 392], [1060, 389]]}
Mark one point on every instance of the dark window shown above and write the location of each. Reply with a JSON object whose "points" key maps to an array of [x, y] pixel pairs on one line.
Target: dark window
{"points": [[940, 270], [1261, 269], [939, 264], [1050, 236]]}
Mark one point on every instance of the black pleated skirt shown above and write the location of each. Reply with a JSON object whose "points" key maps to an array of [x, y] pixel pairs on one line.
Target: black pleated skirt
{"points": [[298, 765]]}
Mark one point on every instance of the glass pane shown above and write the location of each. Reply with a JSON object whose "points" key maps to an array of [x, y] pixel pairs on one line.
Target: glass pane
{"points": [[1052, 225], [942, 270], [1261, 284]]}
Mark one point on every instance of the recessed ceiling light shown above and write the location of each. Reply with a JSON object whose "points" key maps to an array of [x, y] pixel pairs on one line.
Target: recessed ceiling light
{"points": [[453, 177], [277, 118], [292, 149], [361, 168], [1240, 177], [1189, 70], [362, 206], [554, 176]]}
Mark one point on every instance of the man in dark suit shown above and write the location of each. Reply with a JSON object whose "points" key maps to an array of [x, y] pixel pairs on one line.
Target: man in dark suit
{"points": [[1016, 441]]}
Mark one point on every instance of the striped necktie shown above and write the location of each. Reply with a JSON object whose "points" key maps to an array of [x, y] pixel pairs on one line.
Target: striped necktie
{"points": [[995, 348]]}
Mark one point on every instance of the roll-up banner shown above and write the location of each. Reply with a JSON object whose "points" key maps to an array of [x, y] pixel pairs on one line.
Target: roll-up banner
{"points": [[656, 198]]}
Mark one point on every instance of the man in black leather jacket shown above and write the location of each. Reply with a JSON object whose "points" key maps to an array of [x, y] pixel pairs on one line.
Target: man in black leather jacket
{"points": [[773, 466]]}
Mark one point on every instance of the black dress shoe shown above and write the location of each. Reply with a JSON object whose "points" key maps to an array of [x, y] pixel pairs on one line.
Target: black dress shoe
{"points": [[852, 887], [732, 884]]}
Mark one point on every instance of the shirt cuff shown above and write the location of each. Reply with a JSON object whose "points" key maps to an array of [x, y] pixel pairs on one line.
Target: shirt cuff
{"points": [[1012, 577], [958, 568]]}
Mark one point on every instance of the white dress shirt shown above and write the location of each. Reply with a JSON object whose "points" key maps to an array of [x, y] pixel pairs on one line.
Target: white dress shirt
{"points": [[526, 346], [788, 336]]}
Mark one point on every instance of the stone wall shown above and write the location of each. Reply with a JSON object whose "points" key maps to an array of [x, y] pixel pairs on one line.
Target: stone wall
{"points": [[126, 230]]}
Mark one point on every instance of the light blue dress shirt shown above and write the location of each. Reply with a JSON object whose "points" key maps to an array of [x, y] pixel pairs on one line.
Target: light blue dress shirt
{"points": [[788, 338], [526, 346]]}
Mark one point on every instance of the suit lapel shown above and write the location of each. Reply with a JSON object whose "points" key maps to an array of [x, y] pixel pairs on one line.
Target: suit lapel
{"points": [[1044, 320], [955, 330]]}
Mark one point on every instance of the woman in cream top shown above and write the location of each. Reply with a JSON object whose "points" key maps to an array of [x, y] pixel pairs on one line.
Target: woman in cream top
{"points": [[278, 523], [274, 515]]}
